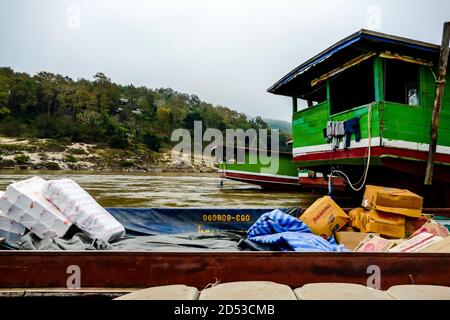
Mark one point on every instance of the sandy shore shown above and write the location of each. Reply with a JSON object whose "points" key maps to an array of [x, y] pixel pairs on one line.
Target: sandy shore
{"points": [[45, 154]]}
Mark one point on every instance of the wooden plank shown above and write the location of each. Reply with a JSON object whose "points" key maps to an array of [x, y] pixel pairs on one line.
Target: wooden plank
{"points": [[443, 62]]}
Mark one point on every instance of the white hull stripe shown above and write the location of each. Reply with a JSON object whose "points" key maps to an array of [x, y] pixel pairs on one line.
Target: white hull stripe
{"points": [[259, 174], [364, 143], [414, 146]]}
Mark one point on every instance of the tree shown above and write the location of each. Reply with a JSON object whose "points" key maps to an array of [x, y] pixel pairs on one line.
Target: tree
{"points": [[258, 123], [151, 140], [4, 96], [48, 90]]}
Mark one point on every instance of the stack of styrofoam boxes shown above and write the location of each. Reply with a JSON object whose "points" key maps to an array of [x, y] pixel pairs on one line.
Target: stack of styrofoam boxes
{"points": [[10, 229], [24, 203], [80, 208]]}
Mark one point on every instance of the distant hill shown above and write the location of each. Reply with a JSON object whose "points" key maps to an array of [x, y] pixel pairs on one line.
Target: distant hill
{"points": [[281, 125]]}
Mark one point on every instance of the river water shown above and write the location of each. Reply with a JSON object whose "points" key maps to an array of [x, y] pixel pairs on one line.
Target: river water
{"points": [[168, 190]]}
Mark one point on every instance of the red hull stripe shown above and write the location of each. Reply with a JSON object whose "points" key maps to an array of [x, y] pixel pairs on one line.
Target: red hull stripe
{"points": [[375, 151], [252, 177]]}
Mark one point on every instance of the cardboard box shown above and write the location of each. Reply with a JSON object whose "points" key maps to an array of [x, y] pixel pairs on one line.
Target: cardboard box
{"points": [[398, 201], [355, 217], [434, 228], [374, 243], [383, 223], [325, 217], [414, 224], [350, 239], [442, 246], [417, 243]]}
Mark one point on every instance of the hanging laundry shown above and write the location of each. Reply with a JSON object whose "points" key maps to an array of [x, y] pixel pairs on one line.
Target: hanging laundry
{"points": [[334, 132], [352, 127]]}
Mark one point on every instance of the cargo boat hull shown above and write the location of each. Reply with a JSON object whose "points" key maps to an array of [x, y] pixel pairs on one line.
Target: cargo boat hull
{"points": [[107, 273], [20, 269]]}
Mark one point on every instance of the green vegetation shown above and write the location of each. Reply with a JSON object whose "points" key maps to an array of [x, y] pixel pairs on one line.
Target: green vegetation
{"points": [[22, 159], [70, 158], [51, 165], [76, 151], [53, 106], [126, 164]]}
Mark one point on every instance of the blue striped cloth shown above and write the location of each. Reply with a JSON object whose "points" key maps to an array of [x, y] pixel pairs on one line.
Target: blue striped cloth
{"points": [[290, 234]]}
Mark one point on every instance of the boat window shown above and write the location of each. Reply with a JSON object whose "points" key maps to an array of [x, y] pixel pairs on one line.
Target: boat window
{"points": [[352, 88], [401, 82], [315, 97]]}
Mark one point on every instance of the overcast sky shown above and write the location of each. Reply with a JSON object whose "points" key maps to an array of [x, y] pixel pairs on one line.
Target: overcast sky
{"points": [[228, 52]]}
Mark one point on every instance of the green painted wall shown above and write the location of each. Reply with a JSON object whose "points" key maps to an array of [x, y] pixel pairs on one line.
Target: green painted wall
{"points": [[308, 124], [401, 122], [398, 122]]}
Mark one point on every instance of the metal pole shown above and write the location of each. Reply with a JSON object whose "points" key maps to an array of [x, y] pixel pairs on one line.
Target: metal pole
{"points": [[443, 61]]}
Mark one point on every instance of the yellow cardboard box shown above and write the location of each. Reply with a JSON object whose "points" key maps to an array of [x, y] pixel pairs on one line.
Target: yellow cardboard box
{"points": [[324, 217], [399, 201], [355, 217], [350, 239], [384, 223]]}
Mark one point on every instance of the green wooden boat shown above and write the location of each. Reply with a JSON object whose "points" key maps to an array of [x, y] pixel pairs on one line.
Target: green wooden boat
{"points": [[259, 173], [387, 83], [287, 176]]}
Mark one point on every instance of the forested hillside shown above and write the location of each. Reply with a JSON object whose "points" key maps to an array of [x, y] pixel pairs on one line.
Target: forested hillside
{"points": [[48, 105]]}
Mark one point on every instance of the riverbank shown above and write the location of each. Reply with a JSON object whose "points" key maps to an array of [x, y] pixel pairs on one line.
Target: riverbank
{"points": [[47, 154]]}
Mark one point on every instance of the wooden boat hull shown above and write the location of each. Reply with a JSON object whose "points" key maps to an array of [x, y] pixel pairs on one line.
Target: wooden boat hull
{"points": [[19, 269], [122, 270]]}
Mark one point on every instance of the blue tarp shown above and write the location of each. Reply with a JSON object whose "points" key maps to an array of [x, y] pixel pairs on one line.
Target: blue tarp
{"points": [[154, 221], [289, 234]]}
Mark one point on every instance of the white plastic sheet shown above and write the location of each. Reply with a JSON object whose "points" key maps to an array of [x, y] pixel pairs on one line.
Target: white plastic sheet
{"points": [[81, 209]]}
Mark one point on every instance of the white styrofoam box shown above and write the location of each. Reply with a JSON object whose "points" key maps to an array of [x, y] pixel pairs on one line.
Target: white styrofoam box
{"points": [[25, 203], [9, 225], [80, 208]]}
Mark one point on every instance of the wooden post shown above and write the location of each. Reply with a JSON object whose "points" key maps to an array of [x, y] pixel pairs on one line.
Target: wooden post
{"points": [[443, 61], [294, 105]]}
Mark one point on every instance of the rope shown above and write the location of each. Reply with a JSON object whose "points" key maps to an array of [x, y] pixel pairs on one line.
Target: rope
{"points": [[366, 171]]}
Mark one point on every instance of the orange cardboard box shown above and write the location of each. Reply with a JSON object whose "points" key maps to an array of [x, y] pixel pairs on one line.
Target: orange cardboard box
{"points": [[392, 200], [355, 217], [324, 217], [386, 224], [383, 223]]}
